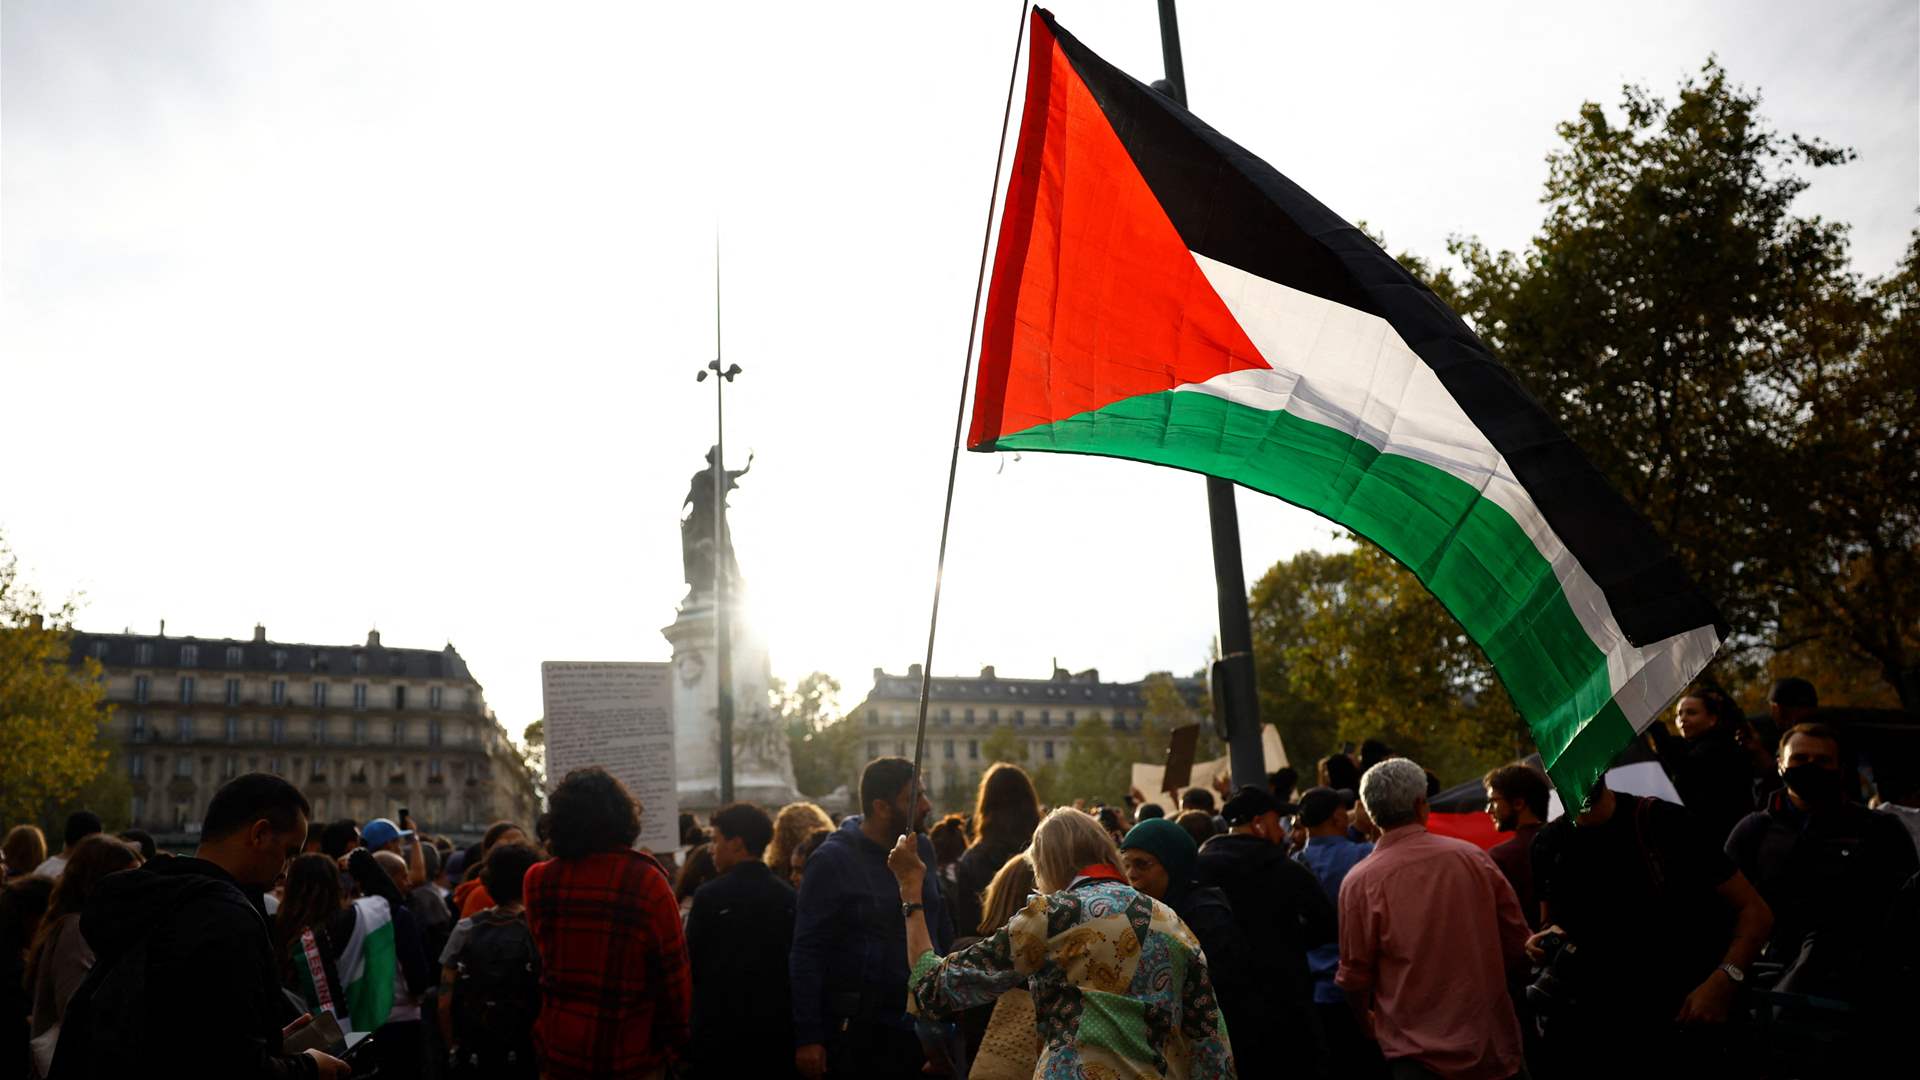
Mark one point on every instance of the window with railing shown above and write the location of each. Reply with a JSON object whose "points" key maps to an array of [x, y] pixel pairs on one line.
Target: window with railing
{"points": [[279, 692], [189, 656], [186, 690], [183, 728], [139, 729], [277, 728], [319, 695], [233, 691], [360, 695], [143, 653], [142, 689], [399, 697], [235, 656], [233, 729]]}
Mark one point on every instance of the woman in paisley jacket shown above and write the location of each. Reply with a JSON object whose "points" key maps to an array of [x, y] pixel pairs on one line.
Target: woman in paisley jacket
{"points": [[1119, 984]]}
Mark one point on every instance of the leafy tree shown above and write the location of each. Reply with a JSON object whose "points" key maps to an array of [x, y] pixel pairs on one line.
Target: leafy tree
{"points": [[50, 712], [1714, 355], [1350, 646], [1845, 551], [823, 745], [1096, 768], [535, 738], [1001, 744]]}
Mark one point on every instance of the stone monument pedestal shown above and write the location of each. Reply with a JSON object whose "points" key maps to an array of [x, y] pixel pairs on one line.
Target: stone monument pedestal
{"points": [[762, 769]]}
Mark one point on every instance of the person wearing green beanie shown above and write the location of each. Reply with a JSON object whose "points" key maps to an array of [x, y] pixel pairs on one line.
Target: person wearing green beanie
{"points": [[1158, 857], [1164, 854]]}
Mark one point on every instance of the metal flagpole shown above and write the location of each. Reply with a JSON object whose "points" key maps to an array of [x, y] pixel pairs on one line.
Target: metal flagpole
{"points": [[1236, 693], [960, 415]]}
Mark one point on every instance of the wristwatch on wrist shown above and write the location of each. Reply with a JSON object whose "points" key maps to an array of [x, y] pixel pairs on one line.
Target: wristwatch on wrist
{"points": [[908, 907], [1733, 972]]}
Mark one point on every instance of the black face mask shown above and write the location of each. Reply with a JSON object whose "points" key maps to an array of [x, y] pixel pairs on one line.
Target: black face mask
{"points": [[1817, 785]]}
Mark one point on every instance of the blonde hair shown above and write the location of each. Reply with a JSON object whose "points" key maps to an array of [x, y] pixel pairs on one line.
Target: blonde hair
{"points": [[1067, 841], [1006, 893], [795, 822]]}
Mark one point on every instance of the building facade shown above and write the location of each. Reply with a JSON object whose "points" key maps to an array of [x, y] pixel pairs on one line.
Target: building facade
{"points": [[363, 730], [963, 711]]}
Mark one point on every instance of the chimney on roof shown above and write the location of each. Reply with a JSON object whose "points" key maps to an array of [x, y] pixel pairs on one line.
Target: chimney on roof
{"points": [[986, 671], [259, 632], [878, 674], [373, 639], [913, 671], [1091, 675], [163, 628]]}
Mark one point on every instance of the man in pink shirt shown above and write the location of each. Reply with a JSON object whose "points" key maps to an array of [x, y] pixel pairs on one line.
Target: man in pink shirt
{"points": [[1429, 930]]}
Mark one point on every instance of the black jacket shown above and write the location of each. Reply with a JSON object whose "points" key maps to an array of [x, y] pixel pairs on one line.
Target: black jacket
{"points": [[738, 936], [1832, 880], [1713, 775], [183, 973], [975, 872], [1282, 912]]}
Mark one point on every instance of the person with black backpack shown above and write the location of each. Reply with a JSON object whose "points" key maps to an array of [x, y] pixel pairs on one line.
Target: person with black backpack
{"points": [[490, 978]]}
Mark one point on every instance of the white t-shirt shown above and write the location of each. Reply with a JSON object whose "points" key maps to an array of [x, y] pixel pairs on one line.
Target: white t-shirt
{"points": [[53, 867]]}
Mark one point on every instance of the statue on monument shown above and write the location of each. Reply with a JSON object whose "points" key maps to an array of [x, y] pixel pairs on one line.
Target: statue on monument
{"points": [[697, 537]]}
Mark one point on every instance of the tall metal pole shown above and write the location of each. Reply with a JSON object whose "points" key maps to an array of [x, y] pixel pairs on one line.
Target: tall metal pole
{"points": [[1235, 689], [722, 620]]}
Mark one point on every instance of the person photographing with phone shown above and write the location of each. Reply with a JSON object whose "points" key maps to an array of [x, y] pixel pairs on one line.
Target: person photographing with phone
{"points": [[184, 956]]}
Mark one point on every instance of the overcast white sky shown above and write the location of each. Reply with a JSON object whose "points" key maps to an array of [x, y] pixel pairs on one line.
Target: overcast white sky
{"points": [[335, 316]]}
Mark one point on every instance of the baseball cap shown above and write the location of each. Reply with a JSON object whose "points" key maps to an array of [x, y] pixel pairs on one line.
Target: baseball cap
{"points": [[380, 832], [1249, 803], [1319, 804]]}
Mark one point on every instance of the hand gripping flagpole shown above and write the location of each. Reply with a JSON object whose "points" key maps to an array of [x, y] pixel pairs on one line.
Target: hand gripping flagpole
{"points": [[960, 415]]}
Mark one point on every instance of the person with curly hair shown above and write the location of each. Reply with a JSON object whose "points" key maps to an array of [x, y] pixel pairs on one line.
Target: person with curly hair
{"points": [[616, 992], [791, 826]]}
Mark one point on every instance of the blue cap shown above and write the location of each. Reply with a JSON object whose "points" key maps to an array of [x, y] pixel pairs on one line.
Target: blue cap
{"points": [[380, 832]]}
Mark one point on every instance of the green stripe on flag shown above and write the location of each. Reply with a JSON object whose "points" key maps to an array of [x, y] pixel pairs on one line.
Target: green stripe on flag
{"points": [[1468, 550]]}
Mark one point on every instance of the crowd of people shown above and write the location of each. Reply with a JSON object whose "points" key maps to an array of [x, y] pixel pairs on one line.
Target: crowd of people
{"points": [[1326, 933]]}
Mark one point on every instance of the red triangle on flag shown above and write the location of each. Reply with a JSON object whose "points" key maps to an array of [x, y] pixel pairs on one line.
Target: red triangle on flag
{"points": [[1095, 297]]}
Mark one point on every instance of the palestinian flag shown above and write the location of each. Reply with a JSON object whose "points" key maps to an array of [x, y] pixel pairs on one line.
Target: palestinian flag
{"points": [[1161, 294], [368, 963]]}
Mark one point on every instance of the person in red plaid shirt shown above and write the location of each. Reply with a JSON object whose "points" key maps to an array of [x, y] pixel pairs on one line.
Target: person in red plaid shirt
{"points": [[616, 992]]}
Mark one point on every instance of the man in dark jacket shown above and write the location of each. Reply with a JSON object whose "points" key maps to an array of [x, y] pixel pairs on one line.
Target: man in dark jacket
{"points": [[1828, 867], [738, 937], [849, 960], [185, 969], [1282, 912]]}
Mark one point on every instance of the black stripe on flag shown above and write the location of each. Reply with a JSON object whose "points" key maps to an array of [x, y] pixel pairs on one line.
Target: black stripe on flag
{"points": [[1233, 207]]}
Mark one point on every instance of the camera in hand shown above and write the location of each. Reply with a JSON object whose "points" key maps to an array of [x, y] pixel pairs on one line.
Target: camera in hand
{"points": [[1558, 982]]}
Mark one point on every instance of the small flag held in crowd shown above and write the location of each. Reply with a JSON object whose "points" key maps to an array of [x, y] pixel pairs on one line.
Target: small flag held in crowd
{"points": [[1160, 294]]}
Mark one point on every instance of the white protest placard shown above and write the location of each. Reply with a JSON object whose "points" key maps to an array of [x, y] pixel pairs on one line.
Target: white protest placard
{"points": [[618, 716]]}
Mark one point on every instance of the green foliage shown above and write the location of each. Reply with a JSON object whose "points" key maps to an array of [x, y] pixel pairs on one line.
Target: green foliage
{"points": [[535, 738], [1001, 744], [50, 713], [824, 746], [1715, 357], [1351, 646]]}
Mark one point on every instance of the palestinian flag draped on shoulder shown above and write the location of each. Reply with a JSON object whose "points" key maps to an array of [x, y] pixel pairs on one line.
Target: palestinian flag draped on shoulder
{"points": [[1161, 294], [367, 964]]}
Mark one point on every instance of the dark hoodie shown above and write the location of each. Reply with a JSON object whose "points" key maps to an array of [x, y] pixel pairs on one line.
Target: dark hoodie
{"points": [[184, 979], [849, 958], [1282, 912]]}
